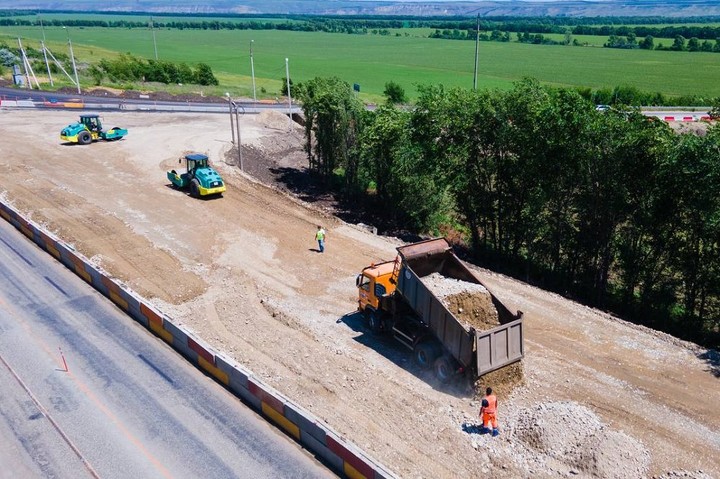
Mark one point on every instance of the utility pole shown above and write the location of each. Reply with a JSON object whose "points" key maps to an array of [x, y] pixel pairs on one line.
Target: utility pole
{"points": [[232, 126], [252, 69], [239, 142], [25, 64], [287, 77], [27, 67], [477, 52], [47, 65], [72, 57], [152, 27]]}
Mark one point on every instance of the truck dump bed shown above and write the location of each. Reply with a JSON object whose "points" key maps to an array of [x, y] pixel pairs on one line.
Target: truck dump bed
{"points": [[486, 350]]}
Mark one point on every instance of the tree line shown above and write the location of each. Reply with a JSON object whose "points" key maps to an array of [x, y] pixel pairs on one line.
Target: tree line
{"points": [[130, 68], [601, 26], [610, 208], [679, 44], [122, 69]]}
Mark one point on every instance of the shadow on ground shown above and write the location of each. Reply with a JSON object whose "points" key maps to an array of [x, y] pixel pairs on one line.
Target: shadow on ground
{"points": [[712, 358], [306, 186], [392, 350]]}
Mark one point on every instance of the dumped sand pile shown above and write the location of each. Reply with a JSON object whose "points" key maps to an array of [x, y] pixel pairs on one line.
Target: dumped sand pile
{"points": [[276, 120], [503, 381], [572, 434], [471, 303]]}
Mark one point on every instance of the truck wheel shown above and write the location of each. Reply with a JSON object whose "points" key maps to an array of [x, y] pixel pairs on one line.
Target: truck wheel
{"points": [[84, 138], [195, 188], [443, 369], [373, 321], [425, 354]]}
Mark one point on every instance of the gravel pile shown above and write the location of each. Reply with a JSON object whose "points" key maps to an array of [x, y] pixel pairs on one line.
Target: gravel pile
{"points": [[276, 120], [573, 435], [471, 303], [683, 474]]}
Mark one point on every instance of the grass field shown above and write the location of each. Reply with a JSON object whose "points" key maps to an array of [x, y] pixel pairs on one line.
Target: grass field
{"points": [[373, 60]]}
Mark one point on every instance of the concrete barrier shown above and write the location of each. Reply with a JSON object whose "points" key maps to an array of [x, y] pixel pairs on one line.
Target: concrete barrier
{"points": [[339, 454]]}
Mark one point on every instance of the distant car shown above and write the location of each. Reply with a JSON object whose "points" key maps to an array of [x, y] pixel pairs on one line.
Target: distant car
{"points": [[602, 107]]}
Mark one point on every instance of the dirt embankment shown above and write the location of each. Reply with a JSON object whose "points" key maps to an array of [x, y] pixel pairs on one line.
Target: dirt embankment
{"points": [[242, 272]]}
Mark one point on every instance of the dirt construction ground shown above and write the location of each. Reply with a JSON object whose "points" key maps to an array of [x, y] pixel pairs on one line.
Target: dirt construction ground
{"points": [[601, 398]]}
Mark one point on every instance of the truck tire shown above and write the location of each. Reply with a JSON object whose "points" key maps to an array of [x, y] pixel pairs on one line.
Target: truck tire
{"points": [[425, 354], [195, 188], [443, 369], [84, 138], [374, 323]]}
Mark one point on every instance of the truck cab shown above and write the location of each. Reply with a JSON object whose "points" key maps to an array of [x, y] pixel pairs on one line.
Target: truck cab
{"points": [[373, 283]]}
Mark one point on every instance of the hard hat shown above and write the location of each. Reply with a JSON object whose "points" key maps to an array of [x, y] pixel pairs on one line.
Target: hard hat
{"points": [[485, 403]]}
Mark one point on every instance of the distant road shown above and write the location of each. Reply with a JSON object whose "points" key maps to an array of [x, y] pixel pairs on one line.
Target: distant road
{"points": [[128, 406], [55, 100]]}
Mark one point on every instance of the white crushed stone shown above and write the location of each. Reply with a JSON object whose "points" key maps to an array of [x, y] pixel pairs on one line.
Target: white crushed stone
{"points": [[684, 474], [442, 286], [567, 439]]}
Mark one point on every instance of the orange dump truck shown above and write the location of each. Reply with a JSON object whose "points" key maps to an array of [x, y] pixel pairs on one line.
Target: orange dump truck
{"points": [[395, 298]]}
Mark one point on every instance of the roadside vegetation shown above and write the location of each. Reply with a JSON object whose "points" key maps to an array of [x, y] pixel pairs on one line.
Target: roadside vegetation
{"points": [[610, 208]]}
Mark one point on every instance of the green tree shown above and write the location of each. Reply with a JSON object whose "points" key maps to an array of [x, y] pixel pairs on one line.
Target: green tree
{"points": [[284, 86], [693, 44], [384, 135], [678, 43], [204, 75], [647, 43], [333, 120], [404, 193], [97, 74], [8, 58], [696, 181], [394, 93]]}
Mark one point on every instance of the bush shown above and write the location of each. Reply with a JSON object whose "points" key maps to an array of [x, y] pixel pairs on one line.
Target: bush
{"points": [[130, 68], [8, 58], [394, 93]]}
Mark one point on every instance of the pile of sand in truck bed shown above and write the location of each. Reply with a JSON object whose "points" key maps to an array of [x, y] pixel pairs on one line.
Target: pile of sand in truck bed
{"points": [[471, 303]]}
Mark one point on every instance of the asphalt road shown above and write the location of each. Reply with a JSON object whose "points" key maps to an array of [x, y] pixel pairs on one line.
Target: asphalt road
{"points": [[105, 103], [54, 100], [127, 406]]}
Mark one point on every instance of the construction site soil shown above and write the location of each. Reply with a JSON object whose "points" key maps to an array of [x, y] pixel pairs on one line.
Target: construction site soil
{"points": [[600, 397]]}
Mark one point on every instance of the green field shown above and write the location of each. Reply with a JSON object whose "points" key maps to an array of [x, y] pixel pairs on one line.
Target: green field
{"points": [[373, 60]]}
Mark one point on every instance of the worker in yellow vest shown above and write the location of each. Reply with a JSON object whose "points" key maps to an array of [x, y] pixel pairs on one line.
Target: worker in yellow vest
{"points": [[320, 238]]}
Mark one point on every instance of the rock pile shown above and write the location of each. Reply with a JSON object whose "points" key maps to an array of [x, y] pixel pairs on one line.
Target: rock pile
{"points": [[574, 435]]}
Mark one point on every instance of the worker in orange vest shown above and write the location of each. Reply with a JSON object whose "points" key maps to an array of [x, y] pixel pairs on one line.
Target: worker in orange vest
{"points": [[488, 413]]}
